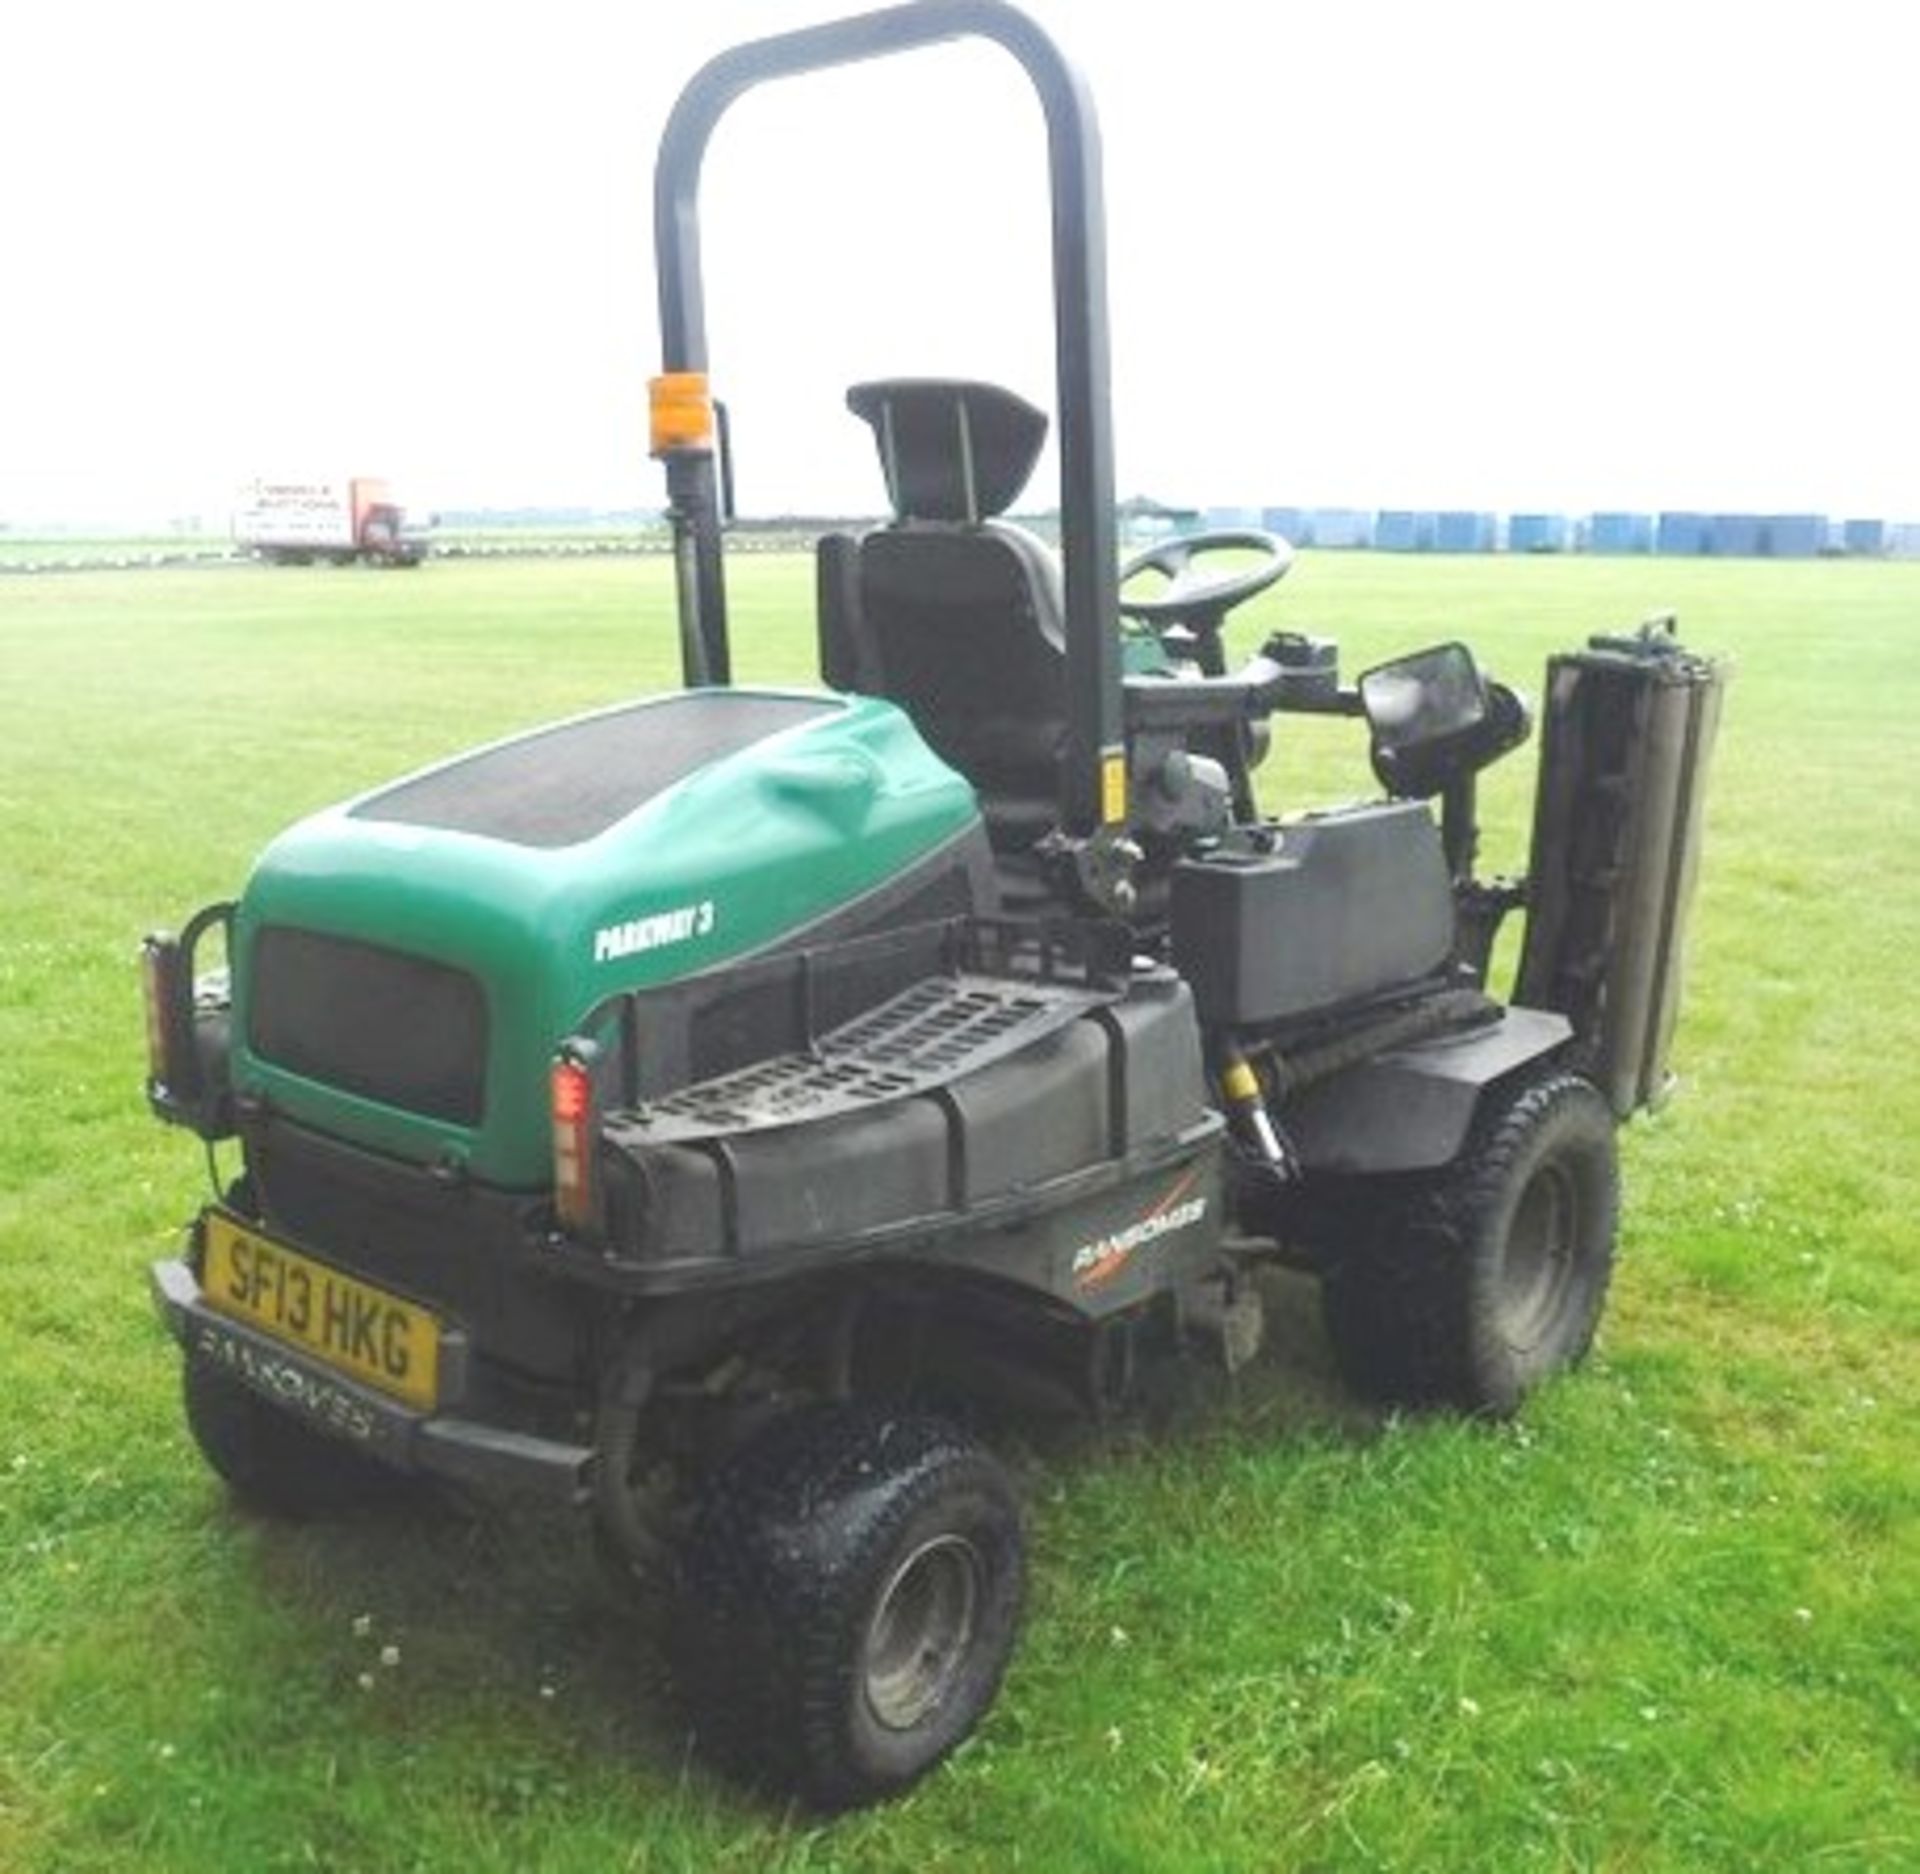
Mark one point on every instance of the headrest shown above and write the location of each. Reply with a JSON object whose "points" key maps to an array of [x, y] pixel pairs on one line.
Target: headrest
{"points": [[950, 450]]}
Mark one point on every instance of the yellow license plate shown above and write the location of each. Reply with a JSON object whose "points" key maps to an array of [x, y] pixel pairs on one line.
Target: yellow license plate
{"points": [[352, 1326]]}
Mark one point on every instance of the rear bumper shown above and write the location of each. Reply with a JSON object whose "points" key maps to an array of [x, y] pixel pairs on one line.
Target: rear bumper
{"points": [[440, 1444]]}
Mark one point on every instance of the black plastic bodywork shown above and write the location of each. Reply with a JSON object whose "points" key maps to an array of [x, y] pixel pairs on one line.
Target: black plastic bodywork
{"points": [[1067, 1166], [466, 1439], [965, 1105], [1408, 1108], [1334, 908], [941, 1091]]}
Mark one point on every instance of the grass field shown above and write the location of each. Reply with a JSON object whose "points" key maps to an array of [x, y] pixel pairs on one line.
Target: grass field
{"points": [[57, 550], [1669, 1621]]}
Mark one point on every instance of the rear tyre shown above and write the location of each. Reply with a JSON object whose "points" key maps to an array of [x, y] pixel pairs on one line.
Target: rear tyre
{"points": [[1470, 1287], [273, 1463], [854, 1585]]}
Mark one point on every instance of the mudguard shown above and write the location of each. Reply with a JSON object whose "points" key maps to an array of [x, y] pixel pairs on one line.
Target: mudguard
{"points": [[1409, 1108]]}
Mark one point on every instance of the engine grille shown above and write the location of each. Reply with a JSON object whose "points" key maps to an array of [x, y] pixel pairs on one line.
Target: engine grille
{"points": [[380, 1023]]}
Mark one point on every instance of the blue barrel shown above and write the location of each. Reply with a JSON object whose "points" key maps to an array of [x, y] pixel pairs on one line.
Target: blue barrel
{"points": [[1341, 527], [1460, 530], [1537, 533], [1680, 532], [1617, 531], [1795, 536], [1403, 530]]}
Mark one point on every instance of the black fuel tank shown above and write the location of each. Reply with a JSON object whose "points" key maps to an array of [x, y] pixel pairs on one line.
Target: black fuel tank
{"points": [[1332, 908]]}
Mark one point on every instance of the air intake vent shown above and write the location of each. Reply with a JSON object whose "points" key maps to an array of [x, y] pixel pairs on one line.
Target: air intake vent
{"points": [[390, 1027], [562, 785]]}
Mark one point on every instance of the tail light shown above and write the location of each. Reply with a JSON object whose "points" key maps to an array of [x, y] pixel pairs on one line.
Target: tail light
{"points": [[172, 1067], [576, 1128]]}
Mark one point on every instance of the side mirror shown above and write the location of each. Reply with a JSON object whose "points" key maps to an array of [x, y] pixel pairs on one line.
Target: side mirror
{"points": [[1435, 719], [1427, 696]]}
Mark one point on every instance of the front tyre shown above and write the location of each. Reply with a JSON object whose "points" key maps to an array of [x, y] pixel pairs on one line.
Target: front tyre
{"points": [[854, 1584], [1472, 1286], [273, 1463]]}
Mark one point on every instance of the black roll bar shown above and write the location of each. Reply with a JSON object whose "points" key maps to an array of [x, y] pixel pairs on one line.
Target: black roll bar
{"points": [[1094, 750]]}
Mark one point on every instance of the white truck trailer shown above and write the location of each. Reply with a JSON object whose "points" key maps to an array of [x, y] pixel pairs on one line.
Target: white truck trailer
{"points": [[292, 523]]}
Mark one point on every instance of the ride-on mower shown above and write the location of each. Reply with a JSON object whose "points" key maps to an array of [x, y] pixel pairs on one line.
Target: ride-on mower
{"points": [[707, 1111]]}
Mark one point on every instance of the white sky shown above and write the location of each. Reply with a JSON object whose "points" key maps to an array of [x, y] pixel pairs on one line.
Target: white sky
{"points": [[1569, 253]]}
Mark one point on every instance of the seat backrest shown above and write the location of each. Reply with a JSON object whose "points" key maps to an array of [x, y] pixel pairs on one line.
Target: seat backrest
{"points": [[967, 632], [953, 614]]}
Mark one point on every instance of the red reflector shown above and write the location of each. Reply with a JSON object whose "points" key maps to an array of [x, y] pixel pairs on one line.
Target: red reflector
{"points": [[572, 1092], [576, 1121]]}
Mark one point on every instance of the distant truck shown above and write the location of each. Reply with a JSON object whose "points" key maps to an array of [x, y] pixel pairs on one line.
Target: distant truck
{"points": [[293, 523]]}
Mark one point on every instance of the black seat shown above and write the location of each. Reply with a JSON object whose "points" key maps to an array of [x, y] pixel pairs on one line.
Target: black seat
{"points": [[949, 611]]}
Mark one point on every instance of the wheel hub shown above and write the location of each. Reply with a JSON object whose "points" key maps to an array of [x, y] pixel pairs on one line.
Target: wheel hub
{"points": [[921, 1631], [1539, 1255]]}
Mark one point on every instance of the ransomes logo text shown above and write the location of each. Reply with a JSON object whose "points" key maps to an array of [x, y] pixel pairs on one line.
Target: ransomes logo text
{"points": [[1100, 1261], [653, 932]]}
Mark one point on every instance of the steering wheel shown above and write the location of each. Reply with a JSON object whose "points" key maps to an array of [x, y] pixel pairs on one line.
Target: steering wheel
{"points": [[1193, 597]]}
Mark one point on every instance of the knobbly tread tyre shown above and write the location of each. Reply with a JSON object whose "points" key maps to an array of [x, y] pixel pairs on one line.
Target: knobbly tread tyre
{"points": [[272, 1462], [1415, 1298], [794, 1541]]}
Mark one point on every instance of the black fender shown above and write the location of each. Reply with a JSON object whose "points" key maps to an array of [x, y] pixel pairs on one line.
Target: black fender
{"points": [[1409, 1109]]}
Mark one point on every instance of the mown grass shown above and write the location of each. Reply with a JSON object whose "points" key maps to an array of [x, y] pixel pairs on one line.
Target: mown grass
{"points": [[1669, 1620]]}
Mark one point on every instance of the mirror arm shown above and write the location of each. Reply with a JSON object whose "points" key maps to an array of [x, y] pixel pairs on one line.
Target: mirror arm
{"points": [[1460, 825], [1301, 700]]}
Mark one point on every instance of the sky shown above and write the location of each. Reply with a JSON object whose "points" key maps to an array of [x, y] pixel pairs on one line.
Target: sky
{"points": [[1567, 254]]}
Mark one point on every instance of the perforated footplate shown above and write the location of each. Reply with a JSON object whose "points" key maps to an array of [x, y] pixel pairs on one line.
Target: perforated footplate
{"points": [[927, 1036]]}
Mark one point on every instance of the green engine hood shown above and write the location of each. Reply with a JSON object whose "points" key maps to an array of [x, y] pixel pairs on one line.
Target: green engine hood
{"points": [[605, 853]]}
